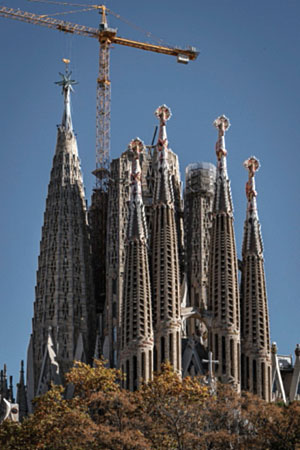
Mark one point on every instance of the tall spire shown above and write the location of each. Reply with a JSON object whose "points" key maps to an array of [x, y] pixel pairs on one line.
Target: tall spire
{"points": [[165, 258], [223, 276], [256, 356], [136, 358], [66, 83], [64, 289]]}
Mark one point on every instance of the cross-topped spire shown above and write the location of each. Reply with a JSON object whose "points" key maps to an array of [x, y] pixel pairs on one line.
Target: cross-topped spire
{"points": [[66, 83]]}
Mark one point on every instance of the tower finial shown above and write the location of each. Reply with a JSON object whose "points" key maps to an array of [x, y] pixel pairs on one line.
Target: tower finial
{"points": [[66, 83], [222, 124], [252, 165], [163, 113], [136, 146], [137, 223]]}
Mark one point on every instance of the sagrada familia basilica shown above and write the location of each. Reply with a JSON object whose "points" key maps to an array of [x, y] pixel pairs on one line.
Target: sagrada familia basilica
{"points": [[148, 274]]}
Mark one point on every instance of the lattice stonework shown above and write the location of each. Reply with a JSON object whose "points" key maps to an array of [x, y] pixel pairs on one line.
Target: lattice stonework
{"points": [[256, 351], [165, 258], [223, 283], [199, 194], [64, 302], [137, 335]]}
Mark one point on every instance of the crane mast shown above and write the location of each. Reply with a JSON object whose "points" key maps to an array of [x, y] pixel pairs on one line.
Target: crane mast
{"points": [[103, 102], [106, 36]]}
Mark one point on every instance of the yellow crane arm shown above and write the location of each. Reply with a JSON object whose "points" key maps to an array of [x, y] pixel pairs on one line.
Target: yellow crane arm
{"points": [[49, 22], [190, 53], [69, 27]]}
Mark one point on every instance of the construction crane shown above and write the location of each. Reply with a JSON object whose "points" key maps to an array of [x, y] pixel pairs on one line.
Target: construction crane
{"points": [[106, 36]]}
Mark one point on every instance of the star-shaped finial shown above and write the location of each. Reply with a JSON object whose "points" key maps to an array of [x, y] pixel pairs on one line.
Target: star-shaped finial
{"points": [[66, 81]]}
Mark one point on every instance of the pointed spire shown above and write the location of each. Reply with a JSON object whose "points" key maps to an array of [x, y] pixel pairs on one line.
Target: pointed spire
{"points": [[22, 394], [22, 382], [223, 200], [66, 82], [11, 393]]}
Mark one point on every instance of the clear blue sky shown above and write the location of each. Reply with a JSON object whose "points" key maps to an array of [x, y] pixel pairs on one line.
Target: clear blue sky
{"points": [[248, 69]]}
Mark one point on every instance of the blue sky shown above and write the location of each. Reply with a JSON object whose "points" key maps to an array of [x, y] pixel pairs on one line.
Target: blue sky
{"points": [[248, 69]]}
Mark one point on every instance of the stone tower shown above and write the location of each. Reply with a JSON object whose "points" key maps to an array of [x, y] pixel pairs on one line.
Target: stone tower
{"points": [[63, 323], [223, 286], [255, 351], [198, 204], [165, 259], [117, 225], [136, 356]]}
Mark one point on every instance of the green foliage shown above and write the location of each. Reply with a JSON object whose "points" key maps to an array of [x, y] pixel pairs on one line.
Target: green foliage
{"points": [[167, 413]]}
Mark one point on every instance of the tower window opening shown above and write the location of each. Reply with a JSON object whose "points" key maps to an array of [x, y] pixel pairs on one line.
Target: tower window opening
{"points": [[134, 361], [223, 355], [162, 349], [127, 374], [254, 376], [171, 348]]}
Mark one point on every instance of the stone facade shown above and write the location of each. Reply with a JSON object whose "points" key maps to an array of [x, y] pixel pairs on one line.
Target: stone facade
{"points": [[157, 281]]}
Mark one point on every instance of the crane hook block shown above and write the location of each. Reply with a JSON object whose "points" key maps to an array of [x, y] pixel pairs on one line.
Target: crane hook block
{"points": [[183, 59]]}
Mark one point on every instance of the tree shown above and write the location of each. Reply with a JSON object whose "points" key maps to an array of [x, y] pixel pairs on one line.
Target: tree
{"points": [[170, 410], [167, 413]]}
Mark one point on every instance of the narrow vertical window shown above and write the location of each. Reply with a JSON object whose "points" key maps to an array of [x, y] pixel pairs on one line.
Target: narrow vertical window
{"points": [[178, 351], [223, 355], [127, 374], [134, 361], [162, 349], [143, 366], [238, 361], [247, 373], [171, 349], [150, 365], [254, 376], [263, 381], [243, 371], [231, 358], [155, 359]]}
